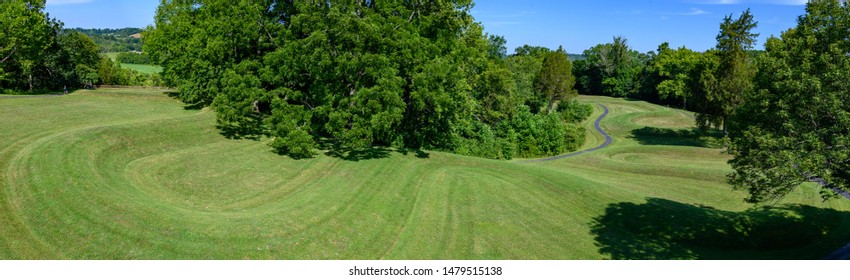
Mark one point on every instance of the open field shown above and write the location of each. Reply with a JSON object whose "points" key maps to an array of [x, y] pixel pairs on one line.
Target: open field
{"points": [[131, 174], [141, 68]]}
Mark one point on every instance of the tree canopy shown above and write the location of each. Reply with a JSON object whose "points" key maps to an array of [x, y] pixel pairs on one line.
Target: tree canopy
{"points": [[37, 54], [555, 81], [413, 74], [734, 75], [25, 36], [610, 69], [795, 127], [678, 72]]}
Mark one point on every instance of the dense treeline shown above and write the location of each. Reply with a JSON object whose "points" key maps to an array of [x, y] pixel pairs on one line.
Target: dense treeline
{"points": [[785, 110], [793, 126], [111, 73], [412, 74], [37, 54], [114, 40], [133, 58], [710, 83], [416, 74]]}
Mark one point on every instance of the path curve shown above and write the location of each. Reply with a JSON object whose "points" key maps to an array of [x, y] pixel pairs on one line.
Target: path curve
{"points": [[842, 253], [596, 125]]}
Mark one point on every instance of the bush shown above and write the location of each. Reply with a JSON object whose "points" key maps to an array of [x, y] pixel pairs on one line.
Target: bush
{"points": [[482, 142], [574, 112], [537, 135], [133, 58], [297, 144], [111, 73]]}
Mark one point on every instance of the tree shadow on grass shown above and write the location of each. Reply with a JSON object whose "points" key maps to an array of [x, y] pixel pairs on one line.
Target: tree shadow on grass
{"points": [[419, 153], [192, 107], [251, 129], [239, 132], [664, 229], [677, 137], [358, 154], [339, 151]]}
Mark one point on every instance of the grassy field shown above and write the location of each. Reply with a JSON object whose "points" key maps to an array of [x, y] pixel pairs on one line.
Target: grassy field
{"points": [[142, 68], [131, 174]]}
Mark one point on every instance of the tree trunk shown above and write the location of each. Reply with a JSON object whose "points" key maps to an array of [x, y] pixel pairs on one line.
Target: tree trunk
{"points": [[551, 104], [30, 81]]}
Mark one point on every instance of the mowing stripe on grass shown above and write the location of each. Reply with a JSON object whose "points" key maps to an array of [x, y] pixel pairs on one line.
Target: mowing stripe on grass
{"points": [[130, 174]]}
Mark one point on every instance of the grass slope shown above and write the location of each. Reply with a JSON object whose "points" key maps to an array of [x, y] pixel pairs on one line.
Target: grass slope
{"points": [[141, 68], [130, 174]]}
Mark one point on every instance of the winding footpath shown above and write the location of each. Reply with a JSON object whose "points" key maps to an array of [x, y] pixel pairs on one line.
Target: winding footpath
{"points": [[596, 124], [842, 253]]}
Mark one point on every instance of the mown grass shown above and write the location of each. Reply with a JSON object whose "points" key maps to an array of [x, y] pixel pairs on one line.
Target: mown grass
{"points": [[141, 68], [131, 174]]}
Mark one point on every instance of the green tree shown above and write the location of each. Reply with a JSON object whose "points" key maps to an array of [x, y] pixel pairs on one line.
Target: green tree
{"points": [[496, 49], [353, 74], [524, 66], [555, 81], [196, 41], [736, 71], [75, 60], [796, 126], [496, 93], [677, 69], [360, 73], [611, 69], [709, 111], [25, 35]]}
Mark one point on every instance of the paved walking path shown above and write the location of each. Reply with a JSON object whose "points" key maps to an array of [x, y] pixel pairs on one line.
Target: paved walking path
{"points": [[841, 254]]}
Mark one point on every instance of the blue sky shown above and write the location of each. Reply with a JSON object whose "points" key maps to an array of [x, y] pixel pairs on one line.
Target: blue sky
{"points": [[103, 13], [575, 24]]}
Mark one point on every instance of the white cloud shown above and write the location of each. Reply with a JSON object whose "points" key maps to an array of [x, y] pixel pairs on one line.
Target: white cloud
{"points": [[66, 2], [695, 12]]}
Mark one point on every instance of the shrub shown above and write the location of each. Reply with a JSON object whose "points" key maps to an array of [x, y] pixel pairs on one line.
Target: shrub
{"points": [[133, 58], [574, 112]]}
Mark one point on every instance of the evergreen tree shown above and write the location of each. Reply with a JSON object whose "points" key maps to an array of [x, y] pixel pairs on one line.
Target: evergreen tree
{"points": [[734, 76], [555, 81]]}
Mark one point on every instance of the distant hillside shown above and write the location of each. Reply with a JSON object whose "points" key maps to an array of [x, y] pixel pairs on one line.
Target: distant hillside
{"points": [[114, 40]]}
